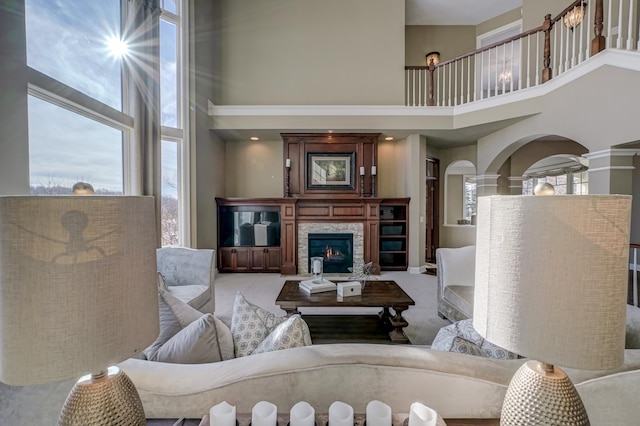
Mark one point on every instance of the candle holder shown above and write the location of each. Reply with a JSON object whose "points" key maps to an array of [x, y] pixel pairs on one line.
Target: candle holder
{"points": [[361, 185], [287, 188], [317, 263], [373, 185]]}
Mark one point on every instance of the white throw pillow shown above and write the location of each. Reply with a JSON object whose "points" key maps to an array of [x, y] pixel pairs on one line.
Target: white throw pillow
{"points": [[186, 329], [206, 339], [292, 333]]}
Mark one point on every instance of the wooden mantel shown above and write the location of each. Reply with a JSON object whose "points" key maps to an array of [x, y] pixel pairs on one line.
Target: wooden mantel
{"points": [[296, 210]]}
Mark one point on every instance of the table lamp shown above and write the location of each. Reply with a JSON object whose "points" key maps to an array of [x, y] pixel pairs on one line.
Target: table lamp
{"points": [[551, 285], [78, 294]]}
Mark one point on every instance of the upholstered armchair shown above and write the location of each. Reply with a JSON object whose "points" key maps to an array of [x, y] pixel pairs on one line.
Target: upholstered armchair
{"points": [[189, 275], [456, 277]]}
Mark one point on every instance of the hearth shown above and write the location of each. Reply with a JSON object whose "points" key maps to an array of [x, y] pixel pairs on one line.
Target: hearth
{"points": [[336, 249]]}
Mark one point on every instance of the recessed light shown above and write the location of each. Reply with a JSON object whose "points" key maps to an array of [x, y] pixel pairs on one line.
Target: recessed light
{"points": [[388, 138], [254, 138]]}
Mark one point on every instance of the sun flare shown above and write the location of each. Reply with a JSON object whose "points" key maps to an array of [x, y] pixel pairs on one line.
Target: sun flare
{"points": [[117, 47]]}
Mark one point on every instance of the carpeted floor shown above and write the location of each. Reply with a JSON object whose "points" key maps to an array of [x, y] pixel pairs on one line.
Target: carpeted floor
{"points": [[40, 405]]}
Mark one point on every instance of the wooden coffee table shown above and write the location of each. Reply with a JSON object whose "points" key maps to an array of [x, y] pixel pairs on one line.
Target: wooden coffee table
{"points": [[384, 294]]}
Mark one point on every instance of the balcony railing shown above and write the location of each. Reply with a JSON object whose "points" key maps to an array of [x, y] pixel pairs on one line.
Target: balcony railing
{"points": [[528, 59]]}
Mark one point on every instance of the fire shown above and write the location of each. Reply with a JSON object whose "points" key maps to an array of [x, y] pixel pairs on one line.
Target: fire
{"points": [[330, 252]]}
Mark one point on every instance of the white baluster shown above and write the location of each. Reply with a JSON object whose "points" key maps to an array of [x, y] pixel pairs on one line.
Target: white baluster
{"points": [[619, 41], [588, 30], [635, 276], [574, 55], [511, 69], [455, 83], [449, 98], [630, 27], [538, 53], [481, 75], [528, 69], [468, 79], [407, 73], [438, 86], [609, 34], [496, 72], [420, 87]]}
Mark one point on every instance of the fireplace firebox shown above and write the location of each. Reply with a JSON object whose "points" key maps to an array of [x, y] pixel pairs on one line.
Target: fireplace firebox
{"points": [[336, 249]]}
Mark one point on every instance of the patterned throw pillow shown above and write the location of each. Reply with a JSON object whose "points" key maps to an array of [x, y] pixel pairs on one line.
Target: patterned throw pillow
{"points": [[453, 337], [292, 333], [252, 326]]}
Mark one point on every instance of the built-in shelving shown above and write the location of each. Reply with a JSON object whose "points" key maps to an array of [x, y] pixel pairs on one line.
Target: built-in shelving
{"points": [[393, 235]]}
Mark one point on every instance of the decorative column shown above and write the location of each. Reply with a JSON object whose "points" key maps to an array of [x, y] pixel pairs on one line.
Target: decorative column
{"points": [[611, 171], [287, 166], [486, 185], [515, 185], [374, 172]]}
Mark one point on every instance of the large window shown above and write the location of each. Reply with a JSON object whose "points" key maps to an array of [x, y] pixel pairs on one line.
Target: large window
{"points": [[81, 117], [576, 183], [66, 147], [173, 103], [72, 40]]}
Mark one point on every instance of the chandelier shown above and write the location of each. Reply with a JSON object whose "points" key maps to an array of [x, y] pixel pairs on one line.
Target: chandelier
{"points": [[574, 16]]}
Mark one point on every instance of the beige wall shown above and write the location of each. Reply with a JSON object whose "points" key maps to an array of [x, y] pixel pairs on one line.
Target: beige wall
{"points": [[254, 169], [499, 21], [293, 52], [391, 169], [534, 151], [450, 41], [533, 11]]}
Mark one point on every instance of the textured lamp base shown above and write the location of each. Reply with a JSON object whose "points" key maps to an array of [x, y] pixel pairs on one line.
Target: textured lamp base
{"points": [[540, 394], [109, 399]]}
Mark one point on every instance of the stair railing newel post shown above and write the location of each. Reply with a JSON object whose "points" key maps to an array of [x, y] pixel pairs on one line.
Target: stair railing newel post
{"points": [[598, 42], [547, 73], [430, 99]]}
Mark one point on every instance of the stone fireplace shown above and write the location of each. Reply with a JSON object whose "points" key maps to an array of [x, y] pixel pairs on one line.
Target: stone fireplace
{"points": [[336, 249], [330, 230]]}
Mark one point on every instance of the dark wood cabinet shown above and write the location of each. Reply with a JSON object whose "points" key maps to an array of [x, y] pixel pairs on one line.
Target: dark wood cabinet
{"points": [[249, 235], [394, 234]]}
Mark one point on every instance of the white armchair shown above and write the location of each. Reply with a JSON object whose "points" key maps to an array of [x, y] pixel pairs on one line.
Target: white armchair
{"points": [[456, 278], [189, 275]]}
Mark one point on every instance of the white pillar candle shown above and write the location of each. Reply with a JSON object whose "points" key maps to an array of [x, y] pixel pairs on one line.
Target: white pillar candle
{"points": [[317, 266], [378, 414], [264, 414], [223, 414], [340, 414], [374, 170], [362, 171], [287, 162], [421, 415], [302, 414]]}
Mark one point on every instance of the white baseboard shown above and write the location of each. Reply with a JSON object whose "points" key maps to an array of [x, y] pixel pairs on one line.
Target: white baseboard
{"points": [[416, 269]]}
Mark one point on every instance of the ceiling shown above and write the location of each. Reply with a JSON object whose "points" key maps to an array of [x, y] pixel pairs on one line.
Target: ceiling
{"points": [[455, 12]]}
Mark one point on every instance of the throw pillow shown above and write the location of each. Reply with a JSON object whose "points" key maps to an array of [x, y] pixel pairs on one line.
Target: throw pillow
{"points": [[176, 318], [202, 341], [292, 333], [444, 340], [250, 325]]}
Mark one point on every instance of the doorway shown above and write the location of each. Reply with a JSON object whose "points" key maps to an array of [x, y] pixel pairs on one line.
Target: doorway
{"points": [[431, 214]]}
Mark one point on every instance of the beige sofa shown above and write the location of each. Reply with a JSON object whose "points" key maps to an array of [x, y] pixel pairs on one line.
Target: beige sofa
{"points": [[455, 385], [456, 277]]}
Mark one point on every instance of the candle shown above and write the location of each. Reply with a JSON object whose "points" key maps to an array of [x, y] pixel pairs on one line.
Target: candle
{"points": [[302, 414], [421, 415], [317, 266], [264, 414], [362, 171], [287, 163], [223, 414], [374, 170], [340, 414], [378, 414]]}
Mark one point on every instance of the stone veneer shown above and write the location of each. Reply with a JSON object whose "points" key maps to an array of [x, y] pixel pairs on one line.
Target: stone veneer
{"points": [[304, 229]]}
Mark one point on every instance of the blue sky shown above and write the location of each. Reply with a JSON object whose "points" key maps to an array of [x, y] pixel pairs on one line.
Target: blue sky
{"points": [[67, 40]]}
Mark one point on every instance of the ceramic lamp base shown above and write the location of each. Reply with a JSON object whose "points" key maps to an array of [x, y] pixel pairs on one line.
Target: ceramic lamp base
{"points": [[542, 396], [109, 399]]}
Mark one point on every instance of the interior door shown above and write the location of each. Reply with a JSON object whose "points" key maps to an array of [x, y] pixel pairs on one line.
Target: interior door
{"points": [[431, 215]]}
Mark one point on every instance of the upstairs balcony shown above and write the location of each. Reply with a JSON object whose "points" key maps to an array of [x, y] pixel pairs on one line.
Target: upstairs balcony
{"points": [[472, 95]]}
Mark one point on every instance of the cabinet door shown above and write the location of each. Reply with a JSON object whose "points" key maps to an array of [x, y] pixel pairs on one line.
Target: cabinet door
{"points": [[242, 259], [272, 259], [225, 258], [257, 258]]}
